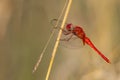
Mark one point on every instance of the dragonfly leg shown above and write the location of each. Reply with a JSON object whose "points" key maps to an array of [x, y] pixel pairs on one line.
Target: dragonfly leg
{"points": [[63, 31], [67, 39]]}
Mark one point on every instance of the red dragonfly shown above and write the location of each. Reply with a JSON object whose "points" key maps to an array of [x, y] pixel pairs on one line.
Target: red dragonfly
{"points": [[78, 32]]}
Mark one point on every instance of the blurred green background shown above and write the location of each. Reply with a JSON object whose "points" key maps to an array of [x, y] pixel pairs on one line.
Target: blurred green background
{"points": [[25, 27]]}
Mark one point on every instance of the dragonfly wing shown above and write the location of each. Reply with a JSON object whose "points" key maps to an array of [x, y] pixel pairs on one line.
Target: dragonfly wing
{"points": [[74, 42]]}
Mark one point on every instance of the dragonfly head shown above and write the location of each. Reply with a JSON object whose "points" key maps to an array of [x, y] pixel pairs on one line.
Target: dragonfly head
{"points": [[69, 27]]}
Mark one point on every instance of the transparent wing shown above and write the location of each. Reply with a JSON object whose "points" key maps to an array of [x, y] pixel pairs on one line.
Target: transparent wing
{"points": [[73, 43]]}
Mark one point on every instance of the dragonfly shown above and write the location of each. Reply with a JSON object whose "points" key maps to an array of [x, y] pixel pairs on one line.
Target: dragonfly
{"points": [[76, 32], [79, 32]]}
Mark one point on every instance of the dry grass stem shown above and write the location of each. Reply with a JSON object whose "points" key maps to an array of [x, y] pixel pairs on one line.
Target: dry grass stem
{"points": [[58, 38]]}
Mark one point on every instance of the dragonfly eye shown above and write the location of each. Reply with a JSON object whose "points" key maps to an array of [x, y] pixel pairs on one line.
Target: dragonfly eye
{"points": [[69, 27]]}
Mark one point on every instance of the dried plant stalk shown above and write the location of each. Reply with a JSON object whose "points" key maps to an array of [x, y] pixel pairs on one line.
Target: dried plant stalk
{"points": [[58, 38]]}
